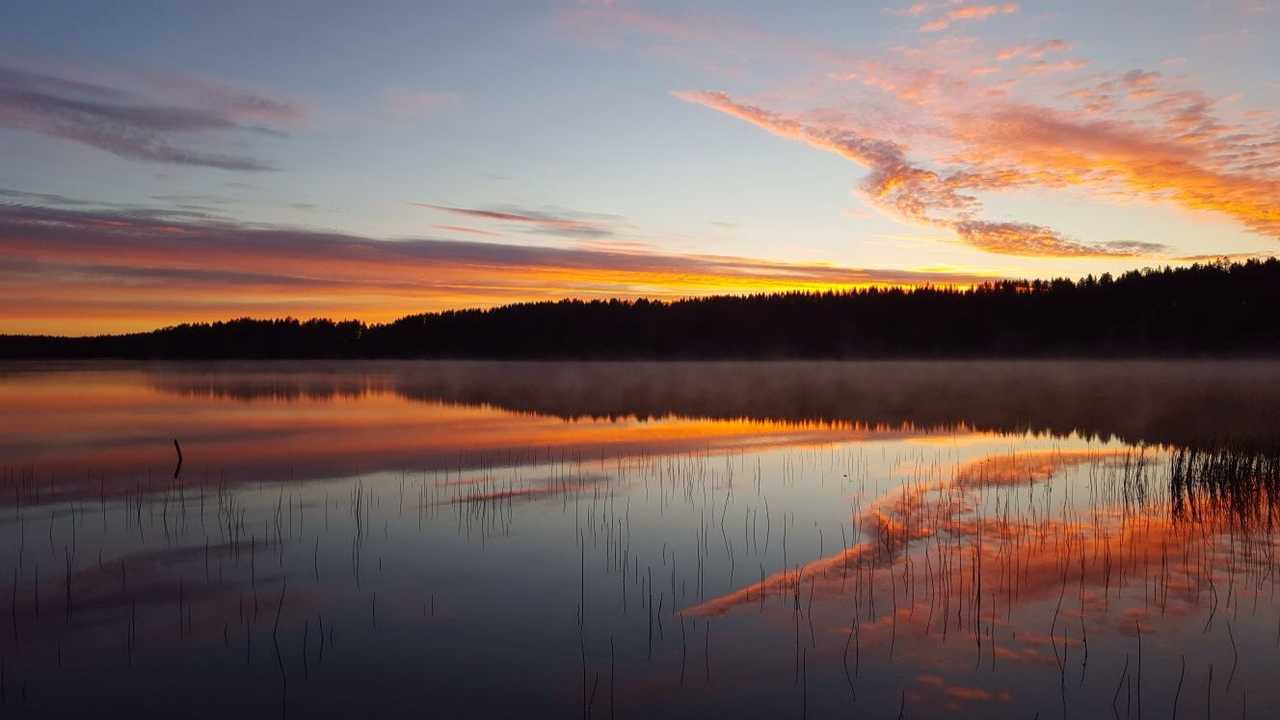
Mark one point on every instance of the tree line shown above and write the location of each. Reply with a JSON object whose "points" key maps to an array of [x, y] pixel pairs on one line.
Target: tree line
{"points": [[1219, 309]]}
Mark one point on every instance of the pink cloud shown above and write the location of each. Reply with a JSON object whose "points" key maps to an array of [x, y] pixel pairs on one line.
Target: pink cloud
{"points": [[938, 123], [1036, 51], [967, 13], [915, 194], [1040, 67]]}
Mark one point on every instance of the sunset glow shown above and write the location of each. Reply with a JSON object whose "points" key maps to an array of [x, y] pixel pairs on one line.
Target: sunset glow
{"points": [[600, 149], [639, 358]]}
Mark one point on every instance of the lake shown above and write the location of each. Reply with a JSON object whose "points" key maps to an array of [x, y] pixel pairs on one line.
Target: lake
{"points": [[789, 539]]}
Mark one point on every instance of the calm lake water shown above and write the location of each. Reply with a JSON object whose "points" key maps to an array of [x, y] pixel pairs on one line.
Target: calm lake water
{"points": [[917, 540]]}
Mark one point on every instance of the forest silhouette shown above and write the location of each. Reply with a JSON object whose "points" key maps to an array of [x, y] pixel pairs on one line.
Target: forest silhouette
{"points": [[1217, 309]]}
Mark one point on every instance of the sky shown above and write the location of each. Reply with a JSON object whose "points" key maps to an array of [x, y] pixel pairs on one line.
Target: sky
{"points": [[179, 161]]}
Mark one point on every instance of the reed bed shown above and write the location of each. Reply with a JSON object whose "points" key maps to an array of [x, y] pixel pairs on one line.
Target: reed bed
{"points": [[1121, 574]]}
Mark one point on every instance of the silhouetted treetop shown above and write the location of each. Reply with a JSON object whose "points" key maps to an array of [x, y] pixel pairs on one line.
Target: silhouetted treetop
{"points": [[1201, 310]]}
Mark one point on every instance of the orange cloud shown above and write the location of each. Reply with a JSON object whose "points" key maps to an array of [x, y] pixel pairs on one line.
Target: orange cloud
{"points": [[967, 13], [1034, 52], [1029, 240], [919, 195], [1176, 163], [1188, 157], [1040, 67]]}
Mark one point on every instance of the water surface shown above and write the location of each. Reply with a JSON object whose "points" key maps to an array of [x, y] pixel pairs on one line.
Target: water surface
{"points": [[614, 539]]}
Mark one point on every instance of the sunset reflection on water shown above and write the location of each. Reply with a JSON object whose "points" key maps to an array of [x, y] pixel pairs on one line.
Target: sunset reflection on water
{"points": [[850, 539]]}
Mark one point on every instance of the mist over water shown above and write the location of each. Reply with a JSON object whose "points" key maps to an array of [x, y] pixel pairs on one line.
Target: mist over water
{"points": [[923, 539]]}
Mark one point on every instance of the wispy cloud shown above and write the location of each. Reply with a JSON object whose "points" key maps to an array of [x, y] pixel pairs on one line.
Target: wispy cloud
{"points": [[42, 198], [567, 224], [1187, 157], [126, 124], [965, 13], [1039, 67], [465, 230], [1033, 51], [916, 194], [1013, 238]]}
